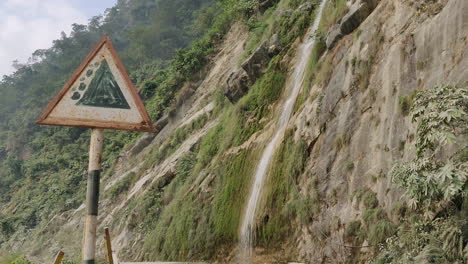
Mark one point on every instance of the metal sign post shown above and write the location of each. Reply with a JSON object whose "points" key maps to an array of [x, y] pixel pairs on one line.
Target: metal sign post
{"points": [[101, 96], [92, 195]]}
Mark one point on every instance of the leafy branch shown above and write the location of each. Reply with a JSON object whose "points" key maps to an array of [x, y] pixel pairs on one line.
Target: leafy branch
{"points": [[439, 172]]}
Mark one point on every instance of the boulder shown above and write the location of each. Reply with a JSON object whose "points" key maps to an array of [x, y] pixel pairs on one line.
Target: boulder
{"points": [[255, 64], [162, 122], [357, 13], [237, 85], [265, 4], [142, 143], [165, 178], [239, 81], [333, 36], [274, 45]]}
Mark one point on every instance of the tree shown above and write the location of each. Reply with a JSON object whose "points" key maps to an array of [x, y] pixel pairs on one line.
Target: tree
{"points": [[439, 172]]}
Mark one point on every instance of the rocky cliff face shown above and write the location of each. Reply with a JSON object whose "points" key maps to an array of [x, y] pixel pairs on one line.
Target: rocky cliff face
{"points": [[354, 121], [350, 119]]}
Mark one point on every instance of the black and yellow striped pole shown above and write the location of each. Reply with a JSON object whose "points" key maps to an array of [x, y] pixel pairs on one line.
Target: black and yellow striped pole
{"points": [[92, 195]]}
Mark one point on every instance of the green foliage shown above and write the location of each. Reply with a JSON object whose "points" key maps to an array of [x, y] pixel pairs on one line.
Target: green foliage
{"points": [[44, 167], [13, 259], [255, 105], [122, 186], [319, 103], [357, 34], [427, 241], [349, 165], [434, 179], [260, 29], [146, 210], [161, 152], [332, 13], [238, 122], [21, 260], [441, 116], [233, 187], [290, 27], [283, 201], [190, 60], [405, 103], [352, 230], [185, 166], [190, 225], [232, 177], [342, 141], [367, 197], [377, 226]]}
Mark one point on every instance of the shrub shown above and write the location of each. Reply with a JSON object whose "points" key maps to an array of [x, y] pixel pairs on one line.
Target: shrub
{"points": [[367, 197], [441, 116], [427, 241], [342, 141], [353, 230], [378, 227], [405, 103]]}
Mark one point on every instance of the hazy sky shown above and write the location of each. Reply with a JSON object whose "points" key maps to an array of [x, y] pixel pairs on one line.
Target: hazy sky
{"points": [[28, 25]]}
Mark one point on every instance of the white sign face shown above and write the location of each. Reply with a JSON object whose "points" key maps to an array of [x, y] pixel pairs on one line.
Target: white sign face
{"points": [[100, 95]]}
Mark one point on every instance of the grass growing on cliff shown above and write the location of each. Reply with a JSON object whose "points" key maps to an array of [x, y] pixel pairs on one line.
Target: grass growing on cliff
{"points": [[7, 258], [376, 228], [289, 25], [192, 224], [293, 26], [233, 185], [260, 29], [196, 220], [283, 201], [332, 13], [238, 122]]}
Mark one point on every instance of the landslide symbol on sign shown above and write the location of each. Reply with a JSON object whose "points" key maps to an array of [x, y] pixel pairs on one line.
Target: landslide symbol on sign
{"points": [[104, 91]]}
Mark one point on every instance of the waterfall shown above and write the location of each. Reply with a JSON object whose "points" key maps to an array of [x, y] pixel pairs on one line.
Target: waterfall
{"points": [[293, 87]]}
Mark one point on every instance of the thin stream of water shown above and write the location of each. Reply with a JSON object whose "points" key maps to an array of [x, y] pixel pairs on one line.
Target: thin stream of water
{"points": [[305, 50]]}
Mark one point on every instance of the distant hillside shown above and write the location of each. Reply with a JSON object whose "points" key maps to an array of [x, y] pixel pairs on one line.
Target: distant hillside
{"points": [[41, 168]]}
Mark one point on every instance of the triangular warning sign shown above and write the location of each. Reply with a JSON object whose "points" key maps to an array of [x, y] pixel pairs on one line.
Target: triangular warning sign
{"points": [[99, 95]]}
